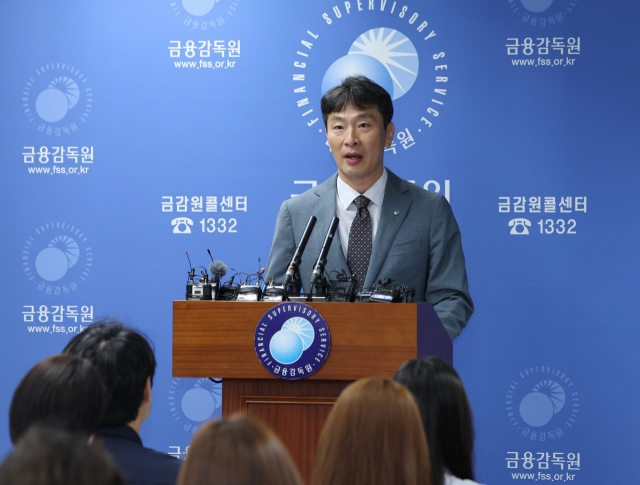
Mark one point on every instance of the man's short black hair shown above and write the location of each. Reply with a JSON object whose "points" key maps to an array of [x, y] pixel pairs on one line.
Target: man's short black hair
{"points": [[125, 360], [359, 92], [61, 390]]}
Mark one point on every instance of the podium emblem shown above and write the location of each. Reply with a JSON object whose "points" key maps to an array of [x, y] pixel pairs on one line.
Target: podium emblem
{"points": [[292, 340]]}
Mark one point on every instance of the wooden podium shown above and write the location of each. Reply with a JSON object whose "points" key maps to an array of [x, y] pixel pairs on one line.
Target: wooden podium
{"points": [[216, 339]]}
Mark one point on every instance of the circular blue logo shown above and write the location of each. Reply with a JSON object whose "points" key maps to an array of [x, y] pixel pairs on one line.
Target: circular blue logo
{"points": [[194, 401], [204, 15], [542, 403], [396, 47], [292, 340], [57, 99], [57, 258], [542, 13]]}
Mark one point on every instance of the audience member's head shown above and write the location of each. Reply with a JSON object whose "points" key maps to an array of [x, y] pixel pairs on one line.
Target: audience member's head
{"points": [[373, 436], [47, 455], [60, 390], [357, 92], [446, 415], [126, 362], [237, 451]]}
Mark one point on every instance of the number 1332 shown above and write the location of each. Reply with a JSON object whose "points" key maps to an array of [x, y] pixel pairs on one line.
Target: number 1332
{"points": [[218, 225], [559, 226]]}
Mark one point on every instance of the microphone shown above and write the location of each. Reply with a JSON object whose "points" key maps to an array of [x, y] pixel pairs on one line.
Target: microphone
{"points": [[295, 261], [200, 290], [192, 272], [322, 258], [218, 269]]}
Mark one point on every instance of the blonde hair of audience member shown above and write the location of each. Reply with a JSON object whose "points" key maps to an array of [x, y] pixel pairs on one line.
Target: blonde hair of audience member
{"points": [[237, 451], [373, 436]]}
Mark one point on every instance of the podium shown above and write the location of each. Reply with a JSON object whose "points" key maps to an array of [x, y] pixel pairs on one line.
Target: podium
{"points": [[216, 339]]}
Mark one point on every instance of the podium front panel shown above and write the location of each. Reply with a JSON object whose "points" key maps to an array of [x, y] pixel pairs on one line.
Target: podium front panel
{"points": [[214, 338]]}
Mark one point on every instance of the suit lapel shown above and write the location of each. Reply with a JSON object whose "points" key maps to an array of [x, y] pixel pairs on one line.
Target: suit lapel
{"points": [[324, 208], [395, 208]]}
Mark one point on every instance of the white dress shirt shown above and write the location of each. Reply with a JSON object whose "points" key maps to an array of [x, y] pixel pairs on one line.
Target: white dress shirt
{"points": [[346, 210]]}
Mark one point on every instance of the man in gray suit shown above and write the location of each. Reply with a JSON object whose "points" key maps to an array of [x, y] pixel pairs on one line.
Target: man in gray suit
{"points": [[389, 228]]}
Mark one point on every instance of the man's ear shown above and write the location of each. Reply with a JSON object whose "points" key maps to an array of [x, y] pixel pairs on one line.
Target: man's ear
{"points": [[146, 397], [391, 130]]}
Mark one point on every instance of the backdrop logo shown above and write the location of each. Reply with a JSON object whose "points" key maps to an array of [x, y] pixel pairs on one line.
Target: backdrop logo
{"points": [[392, 45], [385, 56], [542, 13], [194, 401], [57, 99], [204, 14], [292, 340], [57, 258], [542, 403]]}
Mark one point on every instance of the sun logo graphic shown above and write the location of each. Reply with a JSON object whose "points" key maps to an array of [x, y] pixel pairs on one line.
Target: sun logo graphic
{"points": [[546, 399], [386, 56], [57, 258], [60, 255], [54, 103], [57, 99], [194, 401], [542, 403], [288, 343], [204, 14], [292, 340]]}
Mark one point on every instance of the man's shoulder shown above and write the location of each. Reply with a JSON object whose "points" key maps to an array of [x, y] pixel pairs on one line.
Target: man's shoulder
{"points": [[310, 196], [140, 464], [417, 193]]}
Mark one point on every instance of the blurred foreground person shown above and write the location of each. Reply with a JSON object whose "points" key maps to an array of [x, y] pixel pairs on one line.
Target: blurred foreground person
{"points": [[127, 365], [47, 455], [446, 417], [237, 451], [60, 390], [373, 436]]}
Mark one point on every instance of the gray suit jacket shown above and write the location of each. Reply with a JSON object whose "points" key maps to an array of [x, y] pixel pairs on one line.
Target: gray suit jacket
{"points": [[417, 244]]}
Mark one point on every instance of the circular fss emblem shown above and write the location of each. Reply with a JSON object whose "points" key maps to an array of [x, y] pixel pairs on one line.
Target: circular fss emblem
{"points": [[292, 340]]}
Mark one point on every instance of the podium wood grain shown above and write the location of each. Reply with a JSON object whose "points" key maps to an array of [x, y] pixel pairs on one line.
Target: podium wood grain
{"points": [[216, 339]]}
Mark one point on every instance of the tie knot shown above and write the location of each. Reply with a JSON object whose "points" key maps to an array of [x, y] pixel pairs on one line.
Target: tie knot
{"points": [[361, 202]]}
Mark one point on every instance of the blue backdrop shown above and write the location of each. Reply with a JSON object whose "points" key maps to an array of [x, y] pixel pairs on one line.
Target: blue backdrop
{"points": [[134, 131]]}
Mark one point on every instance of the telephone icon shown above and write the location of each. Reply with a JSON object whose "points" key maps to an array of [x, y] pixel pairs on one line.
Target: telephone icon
{"points": [[519, 226], [182, 225]]}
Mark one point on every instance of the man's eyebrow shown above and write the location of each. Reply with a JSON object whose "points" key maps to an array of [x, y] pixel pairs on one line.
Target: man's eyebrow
{"points": [[360, 116]]}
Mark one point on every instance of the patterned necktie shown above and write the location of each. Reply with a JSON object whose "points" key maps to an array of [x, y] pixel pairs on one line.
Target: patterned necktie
{"points": [[360, 241]]}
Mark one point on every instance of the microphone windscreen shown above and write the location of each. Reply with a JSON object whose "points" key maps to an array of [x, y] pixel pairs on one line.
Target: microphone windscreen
{"points": [[218, 269]]}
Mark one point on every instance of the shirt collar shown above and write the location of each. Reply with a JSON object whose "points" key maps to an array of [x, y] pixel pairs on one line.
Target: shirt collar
{"points": [[346, 193], [123, 431]]}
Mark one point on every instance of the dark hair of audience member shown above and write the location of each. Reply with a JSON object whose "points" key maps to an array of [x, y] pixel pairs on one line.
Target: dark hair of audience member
{"points": [[359, 92], [237, 451], [373, 436], [125, 360], [47, 455], [61, 390], [446, 415]]}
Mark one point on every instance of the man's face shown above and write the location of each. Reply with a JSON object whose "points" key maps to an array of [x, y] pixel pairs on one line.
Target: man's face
{"points": [[357, 139]]}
